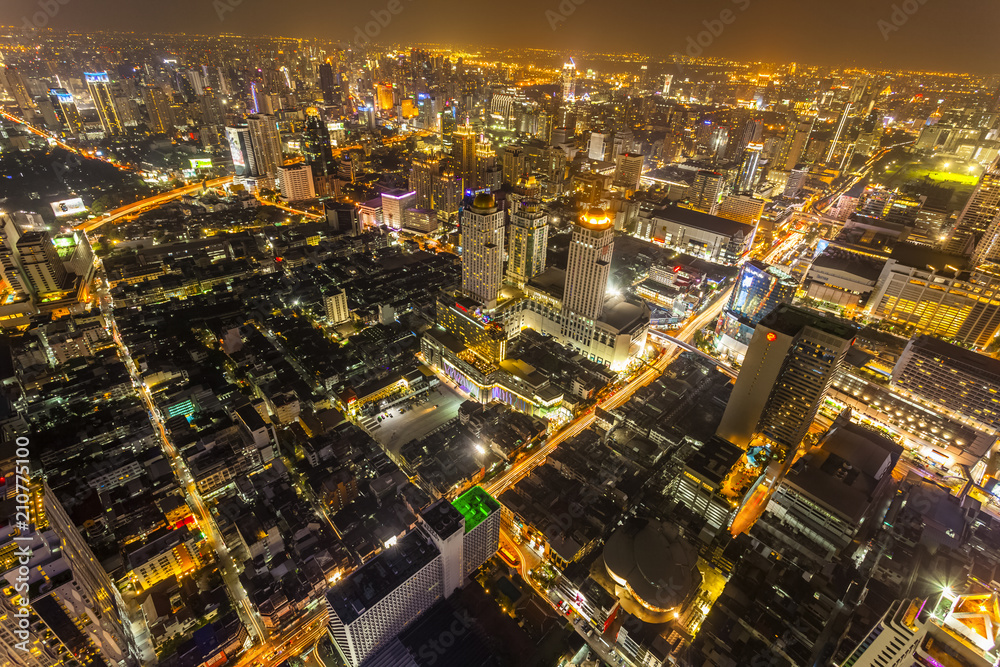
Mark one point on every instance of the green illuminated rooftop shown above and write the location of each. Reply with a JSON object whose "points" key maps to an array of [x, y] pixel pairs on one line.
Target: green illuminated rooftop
{"points": [[475, 505]]}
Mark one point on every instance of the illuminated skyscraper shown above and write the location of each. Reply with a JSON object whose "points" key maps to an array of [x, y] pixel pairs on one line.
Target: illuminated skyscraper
{"points": [[791, 361], [99, 84], [569, 81], [482, 250], [424, 171], [316, 143], [796, 137], [587, 271], [241, 147], [529, 237], [980, 211], [266, 143], [746, 180], [65, 108], [464, 151]]}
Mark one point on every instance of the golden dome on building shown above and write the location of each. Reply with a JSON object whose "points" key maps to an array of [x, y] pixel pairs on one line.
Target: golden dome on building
{"points": [[484, 200], [596, 217], [312, 111]]}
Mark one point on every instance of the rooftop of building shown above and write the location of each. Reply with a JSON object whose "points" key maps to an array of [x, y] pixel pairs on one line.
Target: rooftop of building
{"points": [[714, 460], [443, 518], [712, 223], [379, 577], [790, 320], [475, 505], [921, 256]]}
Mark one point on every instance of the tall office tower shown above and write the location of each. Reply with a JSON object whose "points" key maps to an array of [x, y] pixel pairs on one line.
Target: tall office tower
{"points": [[241, 148], [157, 109], [746, 180], [759, 289], [796, 138], [99, 84], [66, 110], [424, 172], [514, 163], [14, 83], [706, 190], [328, 83], [336, 307], [587, 270], [569, 81], [982, 208], [40, 262], [788, 368], [69, 619], [869, 136], [296, 182], [316, 143], [796, 179], [840, 130], [212, 111], [463, 149], [266, 143], [628, 171], [949, 629], [448, 125], [395, 202], [529, 238], [482, 250]]}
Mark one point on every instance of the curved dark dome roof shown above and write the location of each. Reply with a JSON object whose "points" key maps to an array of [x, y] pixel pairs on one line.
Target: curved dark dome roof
{"points": [[484, 200]]}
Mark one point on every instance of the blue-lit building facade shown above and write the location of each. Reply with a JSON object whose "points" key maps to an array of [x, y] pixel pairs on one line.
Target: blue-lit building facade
{"points": [[759, 289]]}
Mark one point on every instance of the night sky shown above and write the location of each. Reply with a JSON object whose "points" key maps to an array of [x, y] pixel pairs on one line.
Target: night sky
{"points": [[942, 35]]}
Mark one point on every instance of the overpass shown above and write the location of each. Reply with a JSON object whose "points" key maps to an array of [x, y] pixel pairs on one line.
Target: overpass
{"points": [[666, 338]]}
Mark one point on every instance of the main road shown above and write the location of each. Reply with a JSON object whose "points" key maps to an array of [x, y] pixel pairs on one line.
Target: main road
{"points": [[149, 202]]}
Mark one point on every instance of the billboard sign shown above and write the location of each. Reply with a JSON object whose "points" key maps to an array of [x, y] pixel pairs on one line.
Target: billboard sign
{"points": [[68, 207]]}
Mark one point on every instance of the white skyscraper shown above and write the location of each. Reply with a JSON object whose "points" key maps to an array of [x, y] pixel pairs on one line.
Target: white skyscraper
{"points": [[296, 182], [587, 271], [482, 250]]}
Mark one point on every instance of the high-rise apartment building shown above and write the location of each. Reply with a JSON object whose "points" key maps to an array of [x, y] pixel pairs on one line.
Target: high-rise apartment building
{"points": [[66, 109], [296, 182], [483, 250], [99, 85], [336, 307], [382, 597], [40, 263], [788, 368], [12, 80], [157, 109], [794, 146], [424, 171], [266, 143], [706, 190], [741, 208], [528, 242]]}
